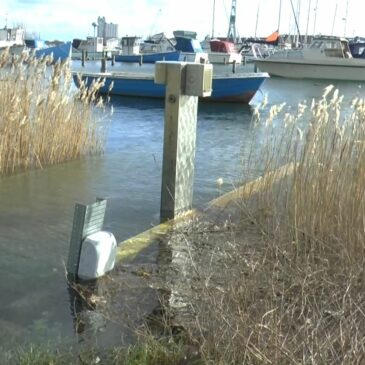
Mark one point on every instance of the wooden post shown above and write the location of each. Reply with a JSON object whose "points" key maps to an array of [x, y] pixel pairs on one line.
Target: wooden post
{"points": [[184, 83], [141, 60], [83, 56], [234, 66], [88, 219], [113, 59], [103, 65]]}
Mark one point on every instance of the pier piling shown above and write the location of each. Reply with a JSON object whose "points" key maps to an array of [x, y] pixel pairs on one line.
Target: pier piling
{"points": [[185, 82], [103, 64], [234, 66], [83, 56]]}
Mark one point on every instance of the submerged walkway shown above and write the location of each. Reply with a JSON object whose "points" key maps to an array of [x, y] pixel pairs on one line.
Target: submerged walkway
{"points": [[160, 267]]}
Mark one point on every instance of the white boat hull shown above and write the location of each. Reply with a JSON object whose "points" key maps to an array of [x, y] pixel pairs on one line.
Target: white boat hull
{"points": [[343, 69], [198, 57], [224, 58]]}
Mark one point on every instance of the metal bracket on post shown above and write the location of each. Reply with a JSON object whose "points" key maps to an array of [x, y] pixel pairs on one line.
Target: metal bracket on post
{"points": [[185, 82], [88, 219]]}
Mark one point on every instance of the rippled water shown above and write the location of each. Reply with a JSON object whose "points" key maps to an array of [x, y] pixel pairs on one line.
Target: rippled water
{"points": [[37, 207]]}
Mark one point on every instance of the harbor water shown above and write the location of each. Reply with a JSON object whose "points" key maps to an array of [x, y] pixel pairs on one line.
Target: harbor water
{"points": [[36, 207]]}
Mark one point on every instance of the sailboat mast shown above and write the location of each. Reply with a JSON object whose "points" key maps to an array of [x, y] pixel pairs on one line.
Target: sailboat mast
{"points": [[334, 19], [213, 19], [279, 19], [347, 11], [257, 19], [296, 23], [306, 30], [315, 18]]}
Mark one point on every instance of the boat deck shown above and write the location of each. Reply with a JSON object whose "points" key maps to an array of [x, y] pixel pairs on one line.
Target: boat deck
{"points": [[150, 76]]}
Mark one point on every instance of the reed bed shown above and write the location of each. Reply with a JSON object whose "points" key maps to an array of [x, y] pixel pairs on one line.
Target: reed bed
{"points": [[292, 292], [42, 121]]}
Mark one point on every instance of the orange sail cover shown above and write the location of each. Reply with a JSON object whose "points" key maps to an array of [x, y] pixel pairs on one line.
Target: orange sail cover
{"points": [[273, 37]]}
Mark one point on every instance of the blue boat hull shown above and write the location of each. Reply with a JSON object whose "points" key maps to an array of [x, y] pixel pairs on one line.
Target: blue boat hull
{"points": [[149, 57], [239, 89], [59, 53]]}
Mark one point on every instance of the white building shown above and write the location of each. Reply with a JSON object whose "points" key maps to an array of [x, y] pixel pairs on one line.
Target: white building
{"points": [[12, 37], [106, 30]]}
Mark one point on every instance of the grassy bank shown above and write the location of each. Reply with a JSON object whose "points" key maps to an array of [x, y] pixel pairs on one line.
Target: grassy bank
{"points": [[150, 352], [41, 121]]}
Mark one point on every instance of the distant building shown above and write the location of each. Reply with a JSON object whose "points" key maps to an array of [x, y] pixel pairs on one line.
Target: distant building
{"points": [[12, 37], [106, 30], [90, 45]]}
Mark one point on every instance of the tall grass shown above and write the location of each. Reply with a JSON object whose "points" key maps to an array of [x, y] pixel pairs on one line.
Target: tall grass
{"points": [[150, 352], [42, 122], [291, 289]]}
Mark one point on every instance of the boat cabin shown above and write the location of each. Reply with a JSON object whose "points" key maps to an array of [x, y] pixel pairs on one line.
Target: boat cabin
{"points": [[91, 45], [357, 49], [319, 49], [186, 41], [131, 45], [331, 46], [157, 43], [35, 43], [217, 45]]}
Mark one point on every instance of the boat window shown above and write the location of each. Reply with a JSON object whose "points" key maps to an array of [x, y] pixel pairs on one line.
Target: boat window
{"points": [[332, 45], [316, 44], [295, 55]]}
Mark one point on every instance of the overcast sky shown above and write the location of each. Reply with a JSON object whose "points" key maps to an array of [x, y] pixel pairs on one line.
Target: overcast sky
{"points": [[68, 19]]}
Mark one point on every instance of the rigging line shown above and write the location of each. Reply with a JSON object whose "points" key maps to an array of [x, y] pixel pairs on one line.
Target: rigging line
{"points": [[295, 17], [225, 9]]}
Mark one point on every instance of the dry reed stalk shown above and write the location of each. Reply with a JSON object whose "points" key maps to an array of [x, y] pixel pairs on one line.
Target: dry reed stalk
{"points": [[296, 293], [42, 121]]}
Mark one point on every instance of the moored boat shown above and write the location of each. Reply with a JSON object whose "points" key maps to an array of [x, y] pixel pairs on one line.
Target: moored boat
{"points": [[239, 88], [135, 51], [149, 57], [223, 52], [60, 52], [190, 48], [327, 58]]}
